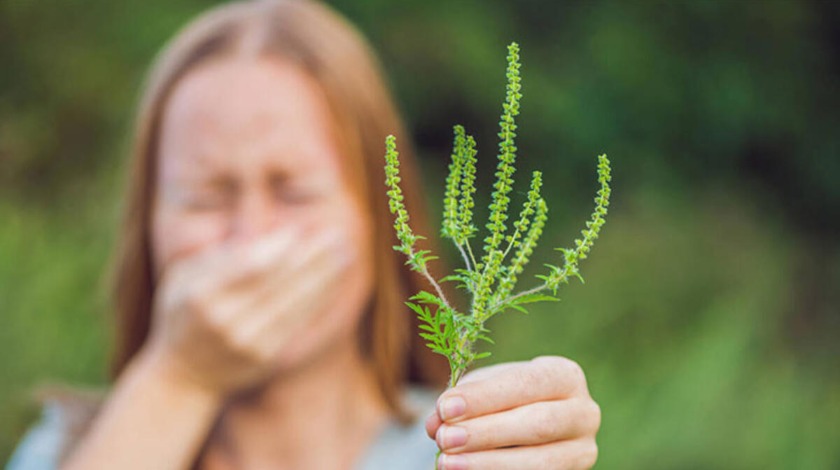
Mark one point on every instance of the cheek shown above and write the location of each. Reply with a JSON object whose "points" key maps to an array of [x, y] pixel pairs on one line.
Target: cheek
{"points": [[177, 236], [357, 284]]}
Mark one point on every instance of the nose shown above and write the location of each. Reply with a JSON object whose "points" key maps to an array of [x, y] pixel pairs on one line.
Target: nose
{"points": [[255, 216]]}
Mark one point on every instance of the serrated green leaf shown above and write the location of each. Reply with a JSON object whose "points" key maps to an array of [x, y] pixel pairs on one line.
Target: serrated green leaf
{"points": [[486, 338], [427, 298], [536, 297], [517, 307], [416, 308]]}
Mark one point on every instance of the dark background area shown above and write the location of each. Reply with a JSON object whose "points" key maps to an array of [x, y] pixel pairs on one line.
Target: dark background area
{"points": [[710, 319]]}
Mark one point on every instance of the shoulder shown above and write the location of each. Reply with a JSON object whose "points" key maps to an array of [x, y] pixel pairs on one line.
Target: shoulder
{"points": [[65, 417], [40, 448], [405, 446]]}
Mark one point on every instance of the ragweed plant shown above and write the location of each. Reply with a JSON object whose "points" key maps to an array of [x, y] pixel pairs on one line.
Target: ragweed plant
{"points": [[490, 280]]}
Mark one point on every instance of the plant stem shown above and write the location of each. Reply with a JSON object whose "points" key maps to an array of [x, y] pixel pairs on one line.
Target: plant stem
{"points": [[521, 294], [469, 250], [425, 272], [464, 255]]}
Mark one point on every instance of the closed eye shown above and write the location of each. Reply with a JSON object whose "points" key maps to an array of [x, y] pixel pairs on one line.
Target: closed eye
{"points": [[297, 194], [298, 190], [217, 195], [208, 202]]}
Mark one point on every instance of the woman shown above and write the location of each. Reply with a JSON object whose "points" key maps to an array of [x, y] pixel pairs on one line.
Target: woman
{"points": [[259, 302]]}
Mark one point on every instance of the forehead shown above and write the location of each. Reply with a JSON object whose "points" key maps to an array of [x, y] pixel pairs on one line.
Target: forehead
{"points": [[248, 108]]}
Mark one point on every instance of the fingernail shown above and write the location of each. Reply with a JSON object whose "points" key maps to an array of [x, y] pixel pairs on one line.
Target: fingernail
{"points": [[451, 408], [450, 437], [452, 462], [430, 418]]}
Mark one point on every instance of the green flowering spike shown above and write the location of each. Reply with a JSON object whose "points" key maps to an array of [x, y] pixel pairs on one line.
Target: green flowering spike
{"points": [[583, 245], [493, 257], [507, 157], [466, 203], [535, 206], [416, 259], [528, 210], [395, 198], [450, 228]]}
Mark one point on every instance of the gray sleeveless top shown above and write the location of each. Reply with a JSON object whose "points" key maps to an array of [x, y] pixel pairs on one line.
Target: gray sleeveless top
{"points": [[396, 447]]}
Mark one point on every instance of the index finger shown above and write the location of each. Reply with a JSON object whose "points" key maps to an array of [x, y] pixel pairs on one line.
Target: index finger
{"points": [[541, 379], [230, 260]]}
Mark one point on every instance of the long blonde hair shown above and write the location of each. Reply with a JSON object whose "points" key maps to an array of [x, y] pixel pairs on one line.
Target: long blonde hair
{"points": [[329, 49]]}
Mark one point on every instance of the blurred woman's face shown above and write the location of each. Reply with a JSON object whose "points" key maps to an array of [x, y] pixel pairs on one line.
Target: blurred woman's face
{"points": [[248, 147]]}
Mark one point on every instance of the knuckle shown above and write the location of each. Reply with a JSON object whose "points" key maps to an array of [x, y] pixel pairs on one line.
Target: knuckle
{"points": [[535, 377], [544, 367], [589, 455], [594, 416], [560, 370], [550, 362], [240, 344], [575, 371], [585, 419], [574, 375]]}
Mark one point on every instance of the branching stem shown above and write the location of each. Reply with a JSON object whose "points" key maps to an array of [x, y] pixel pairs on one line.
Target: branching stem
{"points": [[434, 283], [472, 256], [464, 256]]}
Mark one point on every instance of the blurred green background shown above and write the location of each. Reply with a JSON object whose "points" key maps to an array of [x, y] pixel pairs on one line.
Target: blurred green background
{"points": [[710, 320]]}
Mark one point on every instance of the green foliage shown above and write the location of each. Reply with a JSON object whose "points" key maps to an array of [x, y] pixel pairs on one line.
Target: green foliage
{"points": [[454, 334]]}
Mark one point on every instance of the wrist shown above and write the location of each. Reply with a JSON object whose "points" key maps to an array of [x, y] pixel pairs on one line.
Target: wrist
{"points": [[127, 432], [172, 377]]}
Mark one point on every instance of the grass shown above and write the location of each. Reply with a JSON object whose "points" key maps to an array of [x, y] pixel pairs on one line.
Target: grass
{"points": [[681, 329], [51, 307]]}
